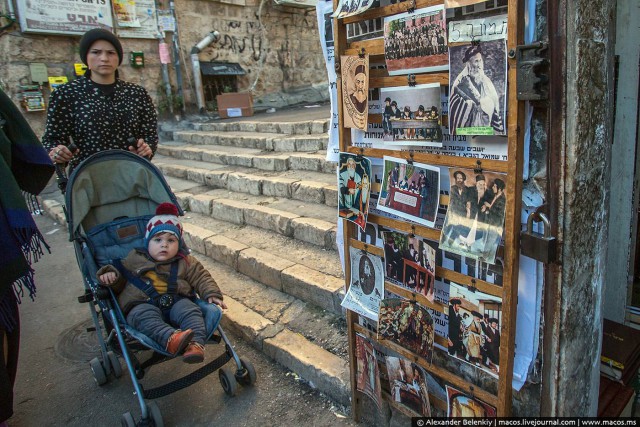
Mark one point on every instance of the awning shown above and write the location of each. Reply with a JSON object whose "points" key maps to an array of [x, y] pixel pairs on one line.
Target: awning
{"points": [[221, 69]]}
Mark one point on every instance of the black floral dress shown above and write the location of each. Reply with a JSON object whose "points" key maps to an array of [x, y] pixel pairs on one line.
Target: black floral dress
{"points": [[97, 120]]}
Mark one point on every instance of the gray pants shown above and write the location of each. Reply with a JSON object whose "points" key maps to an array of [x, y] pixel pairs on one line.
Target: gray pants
{"points": [[185, 314]]}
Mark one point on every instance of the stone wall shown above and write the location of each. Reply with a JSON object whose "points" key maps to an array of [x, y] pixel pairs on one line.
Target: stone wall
{"points": [[281, 49]]}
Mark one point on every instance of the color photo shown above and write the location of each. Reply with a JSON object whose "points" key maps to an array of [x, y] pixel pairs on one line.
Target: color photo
{"points": [[408, 386], [408, 324], [354, 185]]}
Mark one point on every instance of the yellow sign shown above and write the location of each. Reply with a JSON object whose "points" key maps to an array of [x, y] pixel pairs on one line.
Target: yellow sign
{"points": [[56, 81], [80, 68]]}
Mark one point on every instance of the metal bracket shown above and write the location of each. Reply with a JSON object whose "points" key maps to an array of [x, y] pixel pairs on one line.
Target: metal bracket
{"points": [[532, 72]]}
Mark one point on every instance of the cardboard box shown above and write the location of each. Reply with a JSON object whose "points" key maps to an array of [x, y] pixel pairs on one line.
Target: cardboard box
{"points": [[235, 105]]}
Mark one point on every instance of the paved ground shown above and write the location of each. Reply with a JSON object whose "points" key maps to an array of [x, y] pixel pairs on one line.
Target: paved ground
{"points": [[55, 386]]}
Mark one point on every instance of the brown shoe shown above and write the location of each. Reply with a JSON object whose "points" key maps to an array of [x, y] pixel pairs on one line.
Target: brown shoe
{"points": [[179, 340], [194, 353]]}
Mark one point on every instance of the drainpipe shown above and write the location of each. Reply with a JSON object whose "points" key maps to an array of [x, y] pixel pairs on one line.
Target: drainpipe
{"points": [[195, 64]]}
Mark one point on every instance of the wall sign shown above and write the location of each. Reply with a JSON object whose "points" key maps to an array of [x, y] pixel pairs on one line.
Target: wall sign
{"points": [[63, 17]]}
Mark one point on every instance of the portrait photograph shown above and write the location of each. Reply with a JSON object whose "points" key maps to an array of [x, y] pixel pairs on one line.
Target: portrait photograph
{"points": [[355, 90], [461, 405], [408, 385], [411, 116], [477, 88], [450, 4], [475, 319], [410, 191], [474, 222], [368, 374], [354, 187], [408, 324], [367, 284], [416, 42], [410, 262]]}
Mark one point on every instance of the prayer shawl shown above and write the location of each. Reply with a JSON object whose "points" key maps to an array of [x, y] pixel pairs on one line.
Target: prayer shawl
{"points": [[24, 166]]}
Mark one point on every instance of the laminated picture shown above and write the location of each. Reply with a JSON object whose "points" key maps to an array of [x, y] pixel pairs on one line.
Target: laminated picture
{"points": [[348, 8], [367, 375], [367, 284], [416, 42], [410, 262], [411, 116], [477, 88], [408, 324], [354, 185], [355, 88], [475, 319], [408, 385], [475, 217], [461, 405], [410, 191], [450, 4]]}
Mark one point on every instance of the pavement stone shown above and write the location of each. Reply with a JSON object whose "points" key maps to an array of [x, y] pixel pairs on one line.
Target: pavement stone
{"points": [[312, 286], [224, 250], [263, 267], [195, 236]]}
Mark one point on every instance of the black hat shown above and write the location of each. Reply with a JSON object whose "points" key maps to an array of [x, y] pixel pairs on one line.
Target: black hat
{"points": [[471, 51], [360, 69], [456, 173], [476, 314], [493, 320], [92, 36], [455, 301], [421, 108], [394, 104], [480, 178], [387, 99]]}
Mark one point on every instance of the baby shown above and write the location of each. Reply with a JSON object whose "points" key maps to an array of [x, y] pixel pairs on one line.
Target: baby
{"points": [[157, 285]]}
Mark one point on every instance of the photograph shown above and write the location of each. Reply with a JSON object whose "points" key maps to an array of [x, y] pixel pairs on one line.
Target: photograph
{"points": [[462, 405], [408, 324], [416, 42], [367, 375], [408, 385], [367, 284], [355, 89], [477, 88], [354, 186], [475, 216], [475, 319], [450, 4], [411, 115], [410, 262], [410, 191]]}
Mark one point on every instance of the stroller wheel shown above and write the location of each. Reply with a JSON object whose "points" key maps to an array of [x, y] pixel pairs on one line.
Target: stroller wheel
{"points": [[248, 377], [127, 420], [98, 371], [116, 368], [228, 381], [154, 413]]}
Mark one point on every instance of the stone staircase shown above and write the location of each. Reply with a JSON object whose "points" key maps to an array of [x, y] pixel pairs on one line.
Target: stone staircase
{"points": [[260, 202]]}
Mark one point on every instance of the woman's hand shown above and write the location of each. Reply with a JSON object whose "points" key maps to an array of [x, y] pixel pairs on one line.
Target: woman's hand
{"points": [[142, 149], [216, 301], [61, 154]]}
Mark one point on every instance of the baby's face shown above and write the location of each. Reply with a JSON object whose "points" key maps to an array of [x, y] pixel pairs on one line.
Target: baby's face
{"points": [[163, 246]]}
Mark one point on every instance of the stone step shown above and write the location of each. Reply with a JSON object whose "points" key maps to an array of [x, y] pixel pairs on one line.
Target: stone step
{"points": [[308, 127], [260, 141], [298, 335], [308, 186], [247, 157]]}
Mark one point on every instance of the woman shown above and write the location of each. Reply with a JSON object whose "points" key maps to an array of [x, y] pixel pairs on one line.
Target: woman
{"points": [[24, 167], [98, 111]]}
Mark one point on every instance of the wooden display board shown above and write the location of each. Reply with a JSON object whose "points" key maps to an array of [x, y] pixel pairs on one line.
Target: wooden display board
{"points": [[512, 167]]}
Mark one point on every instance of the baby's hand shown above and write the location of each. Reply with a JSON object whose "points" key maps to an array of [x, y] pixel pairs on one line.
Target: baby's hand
{"points": [[216, 301], [108, 278]]}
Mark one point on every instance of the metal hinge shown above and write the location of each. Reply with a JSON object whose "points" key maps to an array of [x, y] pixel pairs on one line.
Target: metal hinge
{"points": [[532, 73]]}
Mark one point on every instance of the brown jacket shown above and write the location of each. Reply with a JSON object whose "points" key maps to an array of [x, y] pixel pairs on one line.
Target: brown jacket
{"points": [[191, 276]]}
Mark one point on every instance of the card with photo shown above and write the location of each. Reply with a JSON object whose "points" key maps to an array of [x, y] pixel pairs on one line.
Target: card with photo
{"points": [[408, 385], [367, 375], [461, 405], [355, 89], [410, 190], [475, 217], [354, 186], [477, 88], [475, 319], [450, 4], [408, 324], [367, 284]]}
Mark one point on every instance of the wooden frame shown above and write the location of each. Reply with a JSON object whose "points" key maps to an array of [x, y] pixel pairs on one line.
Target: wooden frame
{"points": [[502, 400]]}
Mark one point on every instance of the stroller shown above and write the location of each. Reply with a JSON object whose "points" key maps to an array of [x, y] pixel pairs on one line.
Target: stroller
{"points": [[109, 198]]}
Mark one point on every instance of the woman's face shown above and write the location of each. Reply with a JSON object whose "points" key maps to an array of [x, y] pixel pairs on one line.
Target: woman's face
{"points": [[102, 60]]}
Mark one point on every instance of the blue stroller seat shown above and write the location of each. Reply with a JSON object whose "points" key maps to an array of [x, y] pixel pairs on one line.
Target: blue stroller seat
{"points": [[109, 199]]}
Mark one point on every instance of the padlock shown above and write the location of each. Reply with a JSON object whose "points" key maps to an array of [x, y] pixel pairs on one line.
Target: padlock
{"points": [[541, 247]]}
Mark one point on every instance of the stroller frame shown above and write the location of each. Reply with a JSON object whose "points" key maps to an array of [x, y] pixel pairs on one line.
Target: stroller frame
{"points": [[103, 300]]}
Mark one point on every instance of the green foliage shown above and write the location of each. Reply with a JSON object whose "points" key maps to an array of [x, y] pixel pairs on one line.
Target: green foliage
{"points": [[164, 101]]}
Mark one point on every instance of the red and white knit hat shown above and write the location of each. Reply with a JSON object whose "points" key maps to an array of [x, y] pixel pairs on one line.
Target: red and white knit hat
{"points": [[165, 221]]}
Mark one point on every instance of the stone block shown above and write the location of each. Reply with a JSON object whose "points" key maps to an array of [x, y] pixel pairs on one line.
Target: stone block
{"points": [[228, 210], [183, 200], [326, 371], [216, 179], [267, 127], [311, 230], [196, 175], [308, 144], [183, 136], [319, 126], [270, 219], [311, 286], [191, 153], [278, 187], [327, 166], [330, 240], [194, 236], [286, 128], [246, 323], [331, 196], [175, 171], [200, 203], [271, 163], [263, 267], [224, 250], [301, 128], [308, 191], [212, 156], [245, 160], [243, 183], [284, 144], [304, 163], [248, 127]]}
